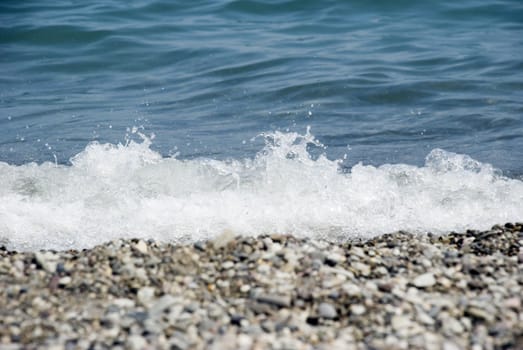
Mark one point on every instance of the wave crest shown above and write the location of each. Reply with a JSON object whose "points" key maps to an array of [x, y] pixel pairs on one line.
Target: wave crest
{"points": [[129, 190]]}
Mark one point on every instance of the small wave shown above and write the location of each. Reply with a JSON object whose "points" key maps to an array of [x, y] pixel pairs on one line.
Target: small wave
{"points": [[128, 190]]}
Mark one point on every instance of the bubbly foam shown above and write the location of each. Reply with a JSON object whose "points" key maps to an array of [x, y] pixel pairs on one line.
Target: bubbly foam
{"points": [[128, 190]]}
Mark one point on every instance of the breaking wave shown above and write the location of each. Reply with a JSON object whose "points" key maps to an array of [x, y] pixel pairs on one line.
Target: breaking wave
{"points": [[128, 190]]}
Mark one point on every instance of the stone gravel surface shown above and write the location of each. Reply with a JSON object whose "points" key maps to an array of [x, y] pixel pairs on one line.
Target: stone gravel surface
{"points": [[396, 291]]}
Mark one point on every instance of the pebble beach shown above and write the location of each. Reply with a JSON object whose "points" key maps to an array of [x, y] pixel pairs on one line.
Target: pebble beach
{"points": [[395, 291]]}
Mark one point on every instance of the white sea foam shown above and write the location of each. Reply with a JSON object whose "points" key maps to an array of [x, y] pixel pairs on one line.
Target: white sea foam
{"points": [[122, 191]]}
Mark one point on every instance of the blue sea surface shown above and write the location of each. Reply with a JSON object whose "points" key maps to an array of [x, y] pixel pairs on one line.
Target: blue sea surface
{"points": [[379, 83]]}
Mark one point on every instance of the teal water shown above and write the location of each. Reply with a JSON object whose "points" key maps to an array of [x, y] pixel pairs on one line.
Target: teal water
{"points": [[392, 80], [384, 83]]}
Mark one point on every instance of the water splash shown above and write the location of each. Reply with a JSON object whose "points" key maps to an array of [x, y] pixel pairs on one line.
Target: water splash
{"points": [[129, 190]]}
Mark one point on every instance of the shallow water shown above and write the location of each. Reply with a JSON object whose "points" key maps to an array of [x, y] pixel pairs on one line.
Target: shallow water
{"points": [[381, 83]]}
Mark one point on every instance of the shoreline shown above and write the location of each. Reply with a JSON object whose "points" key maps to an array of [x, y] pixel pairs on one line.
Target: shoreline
{"points": [[395, 291]]}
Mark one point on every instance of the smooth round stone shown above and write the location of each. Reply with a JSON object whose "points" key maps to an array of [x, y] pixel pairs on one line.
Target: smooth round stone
{"points": [[357, 309], [227, 265], [145, 295], [424, 281], [327, 311], [136, 342], [64, 281]]}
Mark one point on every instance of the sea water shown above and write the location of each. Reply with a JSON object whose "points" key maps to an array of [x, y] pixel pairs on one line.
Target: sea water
{"points": [[179, 121]]}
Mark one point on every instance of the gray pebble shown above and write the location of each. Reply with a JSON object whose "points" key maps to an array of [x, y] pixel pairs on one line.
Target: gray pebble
{"points": [[326, 310], [424, 281], [275, 299]]}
